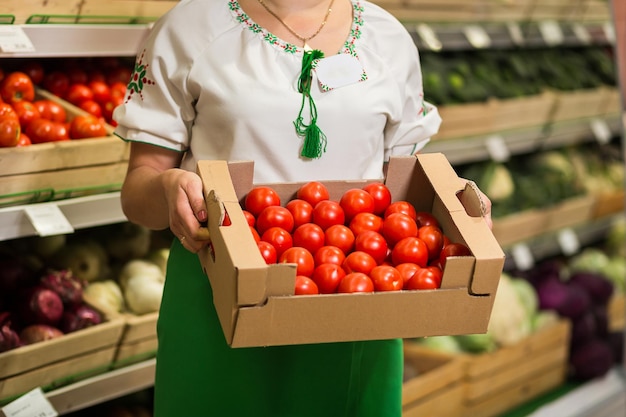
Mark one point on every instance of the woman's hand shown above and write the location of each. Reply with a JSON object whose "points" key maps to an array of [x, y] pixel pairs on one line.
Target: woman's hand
{"points": [[187, 211]]}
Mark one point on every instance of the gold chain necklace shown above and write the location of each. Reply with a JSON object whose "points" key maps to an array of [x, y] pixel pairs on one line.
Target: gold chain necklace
{"points": [[293, 32]]}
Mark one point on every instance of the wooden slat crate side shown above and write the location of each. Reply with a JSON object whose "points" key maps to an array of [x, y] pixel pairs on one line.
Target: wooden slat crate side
{"points": [[608, 203], [465, 120], [58, 374], [578, 104], [523, 112], [129, 353], [446, 403], [139, 327], [617, 312], [525, 391], [29, 357]]}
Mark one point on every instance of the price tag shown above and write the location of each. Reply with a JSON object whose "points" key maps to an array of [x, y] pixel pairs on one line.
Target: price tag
{"points": [[568, 242], [601, 131], [428, 35], [523, 257], [497, 149], [582, 34], [48, 220], [609, 32], [516, 34], [551, 32], [31, 404], [477, 36], [13, 39]]}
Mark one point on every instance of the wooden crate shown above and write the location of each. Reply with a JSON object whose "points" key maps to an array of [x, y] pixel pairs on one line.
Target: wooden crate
{"points": [[466, 120], [138, 341], [523, 112], [438, 389], [579, 104], [51, 171], [501, 380], [607, 204], [59, 361], [130, 9]]}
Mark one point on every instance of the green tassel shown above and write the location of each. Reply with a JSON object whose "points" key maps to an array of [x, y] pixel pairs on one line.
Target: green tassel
{"points": [[314, 139]]}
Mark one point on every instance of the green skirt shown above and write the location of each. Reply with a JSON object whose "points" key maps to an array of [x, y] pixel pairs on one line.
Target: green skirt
{"points": [[199, 375]]}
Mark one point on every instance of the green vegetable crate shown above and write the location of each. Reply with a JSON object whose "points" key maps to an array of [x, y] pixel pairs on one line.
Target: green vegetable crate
{"points": [[495, 382]]}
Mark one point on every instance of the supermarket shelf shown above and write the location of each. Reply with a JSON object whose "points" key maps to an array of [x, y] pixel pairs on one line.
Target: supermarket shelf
{"points": [[474, 149], [77, 40], [498, 35], [81, 213], [102, 388]]}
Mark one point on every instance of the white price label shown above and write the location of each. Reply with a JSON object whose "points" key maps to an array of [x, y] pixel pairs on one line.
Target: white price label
{"points": [[13, 39], [516, 34], [428, 35], [601, 131], [48, 219], [497, 149], [551, 32], [568, 242], [523, 257], [31, 404], [477, 36], [609, 32], [582, 34]]}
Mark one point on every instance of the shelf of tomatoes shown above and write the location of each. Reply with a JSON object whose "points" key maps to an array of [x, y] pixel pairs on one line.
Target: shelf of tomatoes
{"points": [[363, 242]]}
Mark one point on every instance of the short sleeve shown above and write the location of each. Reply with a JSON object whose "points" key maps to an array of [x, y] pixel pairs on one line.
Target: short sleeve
{"points": [[158, 108]]}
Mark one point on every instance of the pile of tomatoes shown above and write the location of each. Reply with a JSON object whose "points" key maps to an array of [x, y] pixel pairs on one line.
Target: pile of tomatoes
{"points": [[26, 119], [363, 242]]}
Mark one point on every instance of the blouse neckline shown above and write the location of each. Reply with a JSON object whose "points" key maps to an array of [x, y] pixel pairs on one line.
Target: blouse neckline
{"points": [[267, 36]]}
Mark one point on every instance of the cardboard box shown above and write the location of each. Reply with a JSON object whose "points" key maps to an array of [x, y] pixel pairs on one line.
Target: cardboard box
{"points": [[501, 380], [59, 361], [438, 389], [255, 301], [51, 171], [139, 339]]}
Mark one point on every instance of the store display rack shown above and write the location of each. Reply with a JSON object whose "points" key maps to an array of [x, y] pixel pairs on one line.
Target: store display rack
{"points": [[92, 40]]}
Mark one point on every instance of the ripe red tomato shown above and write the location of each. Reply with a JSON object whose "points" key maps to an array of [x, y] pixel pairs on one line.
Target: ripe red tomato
{"points": [[356, 200], [410, 249], [309, 236], [120, 74], [77, 93], [268, 252], [101, 91], [305, 286], [302, 211], [56, 82], [372, 243], [7, 111], [24, 140], [339, 236], [250, 219], [355, 282], [424, 279], [327, 276], [386, 278], [424, 218], [42, 130], [366, 221], [118, 89], [17, 86], [329, 254], [9, 132], [91, 107], [51, 110], [381, 195], [26, 112], [358, 261], [274, 216], [255, 234], [34, 70], [453, 249], [327, 213], [313, 192], [279, 238], [260, 197], [301, 257], [76, 75], [397, 226], [433, 237], [407, 270], [401, 207], [87, 126]]}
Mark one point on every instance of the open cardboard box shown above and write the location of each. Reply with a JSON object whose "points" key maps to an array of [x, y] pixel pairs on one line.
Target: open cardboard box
{"points": [[255, 302]]}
